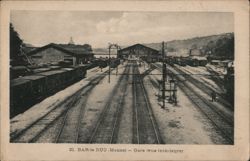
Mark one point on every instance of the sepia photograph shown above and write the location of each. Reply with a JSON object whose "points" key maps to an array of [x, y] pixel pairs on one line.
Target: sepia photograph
{"points": [[121, 77], [123, 80]]}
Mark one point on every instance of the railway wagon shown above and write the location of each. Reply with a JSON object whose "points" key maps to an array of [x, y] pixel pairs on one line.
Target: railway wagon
{"points": [[37, 85], [69, 76], [181, 61], [20, 91], [17, 71], [102, 63], [114, 63], [28, 90], [53, 80], [170, 60], [81, 72], [197, 62]]}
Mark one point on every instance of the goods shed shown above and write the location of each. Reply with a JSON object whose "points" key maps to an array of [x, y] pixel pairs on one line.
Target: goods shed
{"points": [[57, 53]]}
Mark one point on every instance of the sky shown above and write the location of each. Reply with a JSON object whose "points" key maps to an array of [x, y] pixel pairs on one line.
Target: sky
{"points": [[98, 28]]}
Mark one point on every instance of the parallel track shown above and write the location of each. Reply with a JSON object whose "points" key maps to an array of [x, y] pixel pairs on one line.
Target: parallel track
{"points": [[222, 123], [32, 132], [206, 89], [107, 126], [145, 127], [69, 129]]}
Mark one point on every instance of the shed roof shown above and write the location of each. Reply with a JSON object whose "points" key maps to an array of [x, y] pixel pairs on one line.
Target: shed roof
{"points": [[226, 61], [52, 72], [67, 69], [215, 61], [18, 81], [33, 77], [41, 70], [199, 57]]}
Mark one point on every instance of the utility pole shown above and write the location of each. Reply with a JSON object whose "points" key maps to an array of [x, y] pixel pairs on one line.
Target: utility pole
{"points": [[109, 63], [163, 75]]}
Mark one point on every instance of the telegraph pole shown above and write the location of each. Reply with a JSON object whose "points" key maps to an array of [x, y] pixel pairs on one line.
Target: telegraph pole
{"points": [[109, 63], [163, 75]]}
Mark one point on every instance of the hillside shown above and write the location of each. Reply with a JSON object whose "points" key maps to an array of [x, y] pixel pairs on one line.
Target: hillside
{"points": [[217, 45]]}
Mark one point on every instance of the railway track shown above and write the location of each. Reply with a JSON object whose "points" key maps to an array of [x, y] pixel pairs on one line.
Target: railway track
{"points": [[206, 89], [69, 130], [222, 123], [107, 126], [35, 130], [145, 129], [225, 126]]}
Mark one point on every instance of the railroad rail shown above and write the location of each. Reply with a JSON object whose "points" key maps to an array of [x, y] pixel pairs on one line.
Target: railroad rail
{"points": [[206, 89], [218, 119], [222, 123], [69, 130], [107, 126], [145, 129], [32, 132]]}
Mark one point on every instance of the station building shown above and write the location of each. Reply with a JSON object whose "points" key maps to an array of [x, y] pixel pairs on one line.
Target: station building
{"points": [[55, 53]]}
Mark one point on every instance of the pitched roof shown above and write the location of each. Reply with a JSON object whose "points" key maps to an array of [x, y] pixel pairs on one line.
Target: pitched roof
{"points": [[77, 49], [138, 45], [74, 50]]}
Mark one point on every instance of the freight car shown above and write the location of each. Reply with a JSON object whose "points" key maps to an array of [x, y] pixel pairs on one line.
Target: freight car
{"points": [[114, 62], [17, 71], [102, 63], [181, 61], [198, 61], [28, 90]]}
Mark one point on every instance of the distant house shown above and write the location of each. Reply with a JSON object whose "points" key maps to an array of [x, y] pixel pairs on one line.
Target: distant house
{"points": [[179, 53], [55, 53], [195, 52], [197, 60]]}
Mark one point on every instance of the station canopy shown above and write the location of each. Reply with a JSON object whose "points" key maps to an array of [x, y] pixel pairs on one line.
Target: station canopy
{"points": [[137, 50]]}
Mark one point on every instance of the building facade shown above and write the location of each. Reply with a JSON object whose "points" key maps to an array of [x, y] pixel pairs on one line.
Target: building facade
{"points": [[55, 53]]}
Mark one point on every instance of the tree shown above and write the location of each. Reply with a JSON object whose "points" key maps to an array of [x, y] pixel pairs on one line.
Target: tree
{"points": [[15, 43], [15, 46], [87, 47]]}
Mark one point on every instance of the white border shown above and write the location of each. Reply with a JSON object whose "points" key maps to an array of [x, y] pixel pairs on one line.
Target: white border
{"points": [[239, 151]]}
